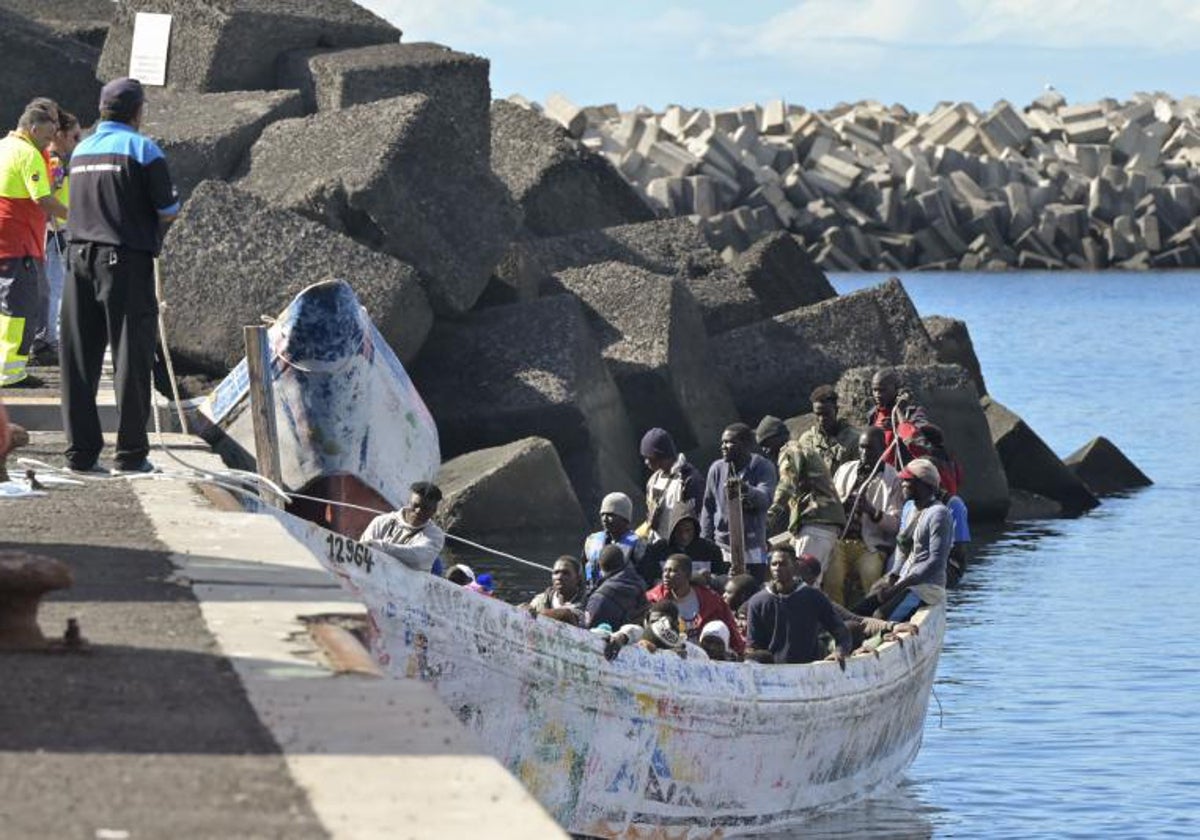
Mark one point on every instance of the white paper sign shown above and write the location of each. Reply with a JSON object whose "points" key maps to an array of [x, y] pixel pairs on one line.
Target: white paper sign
{"points": [[151, 42]]}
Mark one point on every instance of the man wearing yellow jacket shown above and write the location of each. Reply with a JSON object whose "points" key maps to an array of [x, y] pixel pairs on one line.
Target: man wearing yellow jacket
{"points": [[26, 200]]}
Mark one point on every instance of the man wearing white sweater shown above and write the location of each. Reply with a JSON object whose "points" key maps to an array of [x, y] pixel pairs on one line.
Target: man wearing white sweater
{"points": [[409, 534]]}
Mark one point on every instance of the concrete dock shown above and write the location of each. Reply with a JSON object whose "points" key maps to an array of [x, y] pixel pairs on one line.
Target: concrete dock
{"points": [[203, 708]]}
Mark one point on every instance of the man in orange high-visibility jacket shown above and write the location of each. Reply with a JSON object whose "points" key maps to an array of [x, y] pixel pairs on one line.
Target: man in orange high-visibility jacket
{"points": [[26, 200]]}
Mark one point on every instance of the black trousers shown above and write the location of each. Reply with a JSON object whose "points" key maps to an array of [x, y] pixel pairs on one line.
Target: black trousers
{"points": [[108, 299]]}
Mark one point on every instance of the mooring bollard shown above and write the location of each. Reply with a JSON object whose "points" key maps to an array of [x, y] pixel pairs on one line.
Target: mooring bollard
{"points": [[24, 579]]}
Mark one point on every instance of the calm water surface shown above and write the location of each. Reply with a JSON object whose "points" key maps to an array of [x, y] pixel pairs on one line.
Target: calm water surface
{"points": [[1068, 693]]}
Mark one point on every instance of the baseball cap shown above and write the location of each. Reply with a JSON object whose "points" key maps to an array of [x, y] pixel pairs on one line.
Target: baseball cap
{"points": [[122, 95], [923, 470], [808, 563]]}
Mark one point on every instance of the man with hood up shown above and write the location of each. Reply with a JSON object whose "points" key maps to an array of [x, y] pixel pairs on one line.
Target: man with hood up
{"points": [[682, 536]]}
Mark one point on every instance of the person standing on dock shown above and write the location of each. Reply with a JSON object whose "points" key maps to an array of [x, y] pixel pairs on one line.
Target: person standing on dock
{"points": [[121, 197], [410, 534], [45, 343], [26, 200]]}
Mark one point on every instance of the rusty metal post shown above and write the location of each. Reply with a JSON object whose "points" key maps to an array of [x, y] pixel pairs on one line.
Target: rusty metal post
{"points": [[262, 409], [24, 579]]}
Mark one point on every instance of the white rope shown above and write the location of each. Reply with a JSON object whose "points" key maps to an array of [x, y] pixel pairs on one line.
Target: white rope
{"points": [[228, 478]]}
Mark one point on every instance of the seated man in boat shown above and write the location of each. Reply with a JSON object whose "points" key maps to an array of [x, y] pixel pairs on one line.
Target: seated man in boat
{"points": [[660, 631], [754, 481], [621, 596], [682, 537], [616, 512], [673, 480], [565, 593], [785, 619], [698, 605], [714, 641], [870, 493], [409, 534], [738, 591], [918, 574]]}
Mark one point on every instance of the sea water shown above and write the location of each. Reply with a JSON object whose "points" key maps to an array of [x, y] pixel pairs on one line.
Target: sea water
{"points": [[1067, 701]]}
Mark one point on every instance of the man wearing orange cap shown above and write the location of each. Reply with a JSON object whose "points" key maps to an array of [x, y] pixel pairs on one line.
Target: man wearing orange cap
{"points": [[918, 573]]}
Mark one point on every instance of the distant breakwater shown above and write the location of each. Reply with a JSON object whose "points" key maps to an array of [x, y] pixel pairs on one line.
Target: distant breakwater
{"points": [[871, 187]]}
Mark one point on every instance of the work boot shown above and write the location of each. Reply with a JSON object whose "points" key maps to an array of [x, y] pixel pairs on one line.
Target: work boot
{"points": [[30, 381], [44, 356]]}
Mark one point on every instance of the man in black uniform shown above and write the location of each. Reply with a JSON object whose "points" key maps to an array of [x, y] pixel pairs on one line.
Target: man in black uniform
{"points": [[121, 197]]}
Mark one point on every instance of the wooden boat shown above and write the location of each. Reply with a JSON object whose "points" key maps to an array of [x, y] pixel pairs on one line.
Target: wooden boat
{"points": [[646, 745], [350, 423]]}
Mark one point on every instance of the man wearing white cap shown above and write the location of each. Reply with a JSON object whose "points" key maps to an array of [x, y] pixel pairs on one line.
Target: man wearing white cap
{"points": [[616, 512], [918, 571]]}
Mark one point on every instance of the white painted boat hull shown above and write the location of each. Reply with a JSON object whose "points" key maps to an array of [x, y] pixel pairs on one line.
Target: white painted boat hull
{"points": [[350, 423], [648, 745]]}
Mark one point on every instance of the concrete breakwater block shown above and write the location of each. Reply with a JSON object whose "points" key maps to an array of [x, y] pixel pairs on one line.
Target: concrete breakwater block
{"points": [[672, 247], [951, 402], [953, 345], [866, 186], [221, 45], [531, 369], [782, 274], [772, 366], [231, 258], [207, 135], [401, 186], [454, 81], [560, 186], [39, 62], [86, 21], [1031, 465], [520, 486], [1104, 468], [651, 334]]}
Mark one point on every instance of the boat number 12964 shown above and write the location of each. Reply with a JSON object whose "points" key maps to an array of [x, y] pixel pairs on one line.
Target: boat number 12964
{"points": [[342, 550]]}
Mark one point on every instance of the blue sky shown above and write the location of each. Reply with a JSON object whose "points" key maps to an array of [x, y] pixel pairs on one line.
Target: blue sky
{"points": [[817, 52]]}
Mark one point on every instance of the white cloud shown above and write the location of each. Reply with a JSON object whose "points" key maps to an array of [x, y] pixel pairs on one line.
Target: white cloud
{"points": [[862, 25], [468, 23]]}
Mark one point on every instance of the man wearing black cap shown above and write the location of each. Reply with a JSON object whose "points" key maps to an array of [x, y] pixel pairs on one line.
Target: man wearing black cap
{"points": [[121, 196], [771, 435], [673, 479]]}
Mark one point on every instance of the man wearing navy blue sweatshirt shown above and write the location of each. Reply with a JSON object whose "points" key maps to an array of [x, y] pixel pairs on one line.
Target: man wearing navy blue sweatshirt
{"points": [[784, 620], [121, 197]]}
